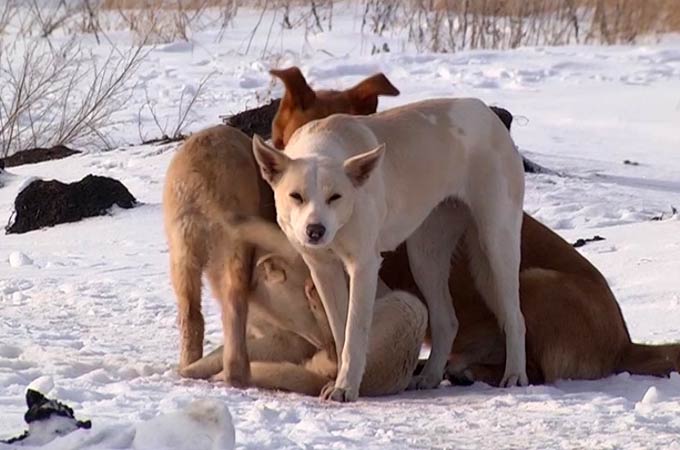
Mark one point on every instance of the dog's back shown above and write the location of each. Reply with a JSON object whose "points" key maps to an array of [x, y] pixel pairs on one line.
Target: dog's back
{"points": [[431, 147], [201, 179]]}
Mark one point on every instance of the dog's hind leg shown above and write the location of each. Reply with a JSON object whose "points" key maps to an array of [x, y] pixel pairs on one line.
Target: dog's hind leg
{"points": [[494, 252], [430, 249], [185, 273], [229, 275]]}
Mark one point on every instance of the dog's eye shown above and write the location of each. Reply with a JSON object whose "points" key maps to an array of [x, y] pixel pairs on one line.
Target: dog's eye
{"points": [[296, 196], [333, 198]]}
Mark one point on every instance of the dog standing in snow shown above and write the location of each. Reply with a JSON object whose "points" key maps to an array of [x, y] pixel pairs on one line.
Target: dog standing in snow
{"points": [[348, 188], [213, 178]]}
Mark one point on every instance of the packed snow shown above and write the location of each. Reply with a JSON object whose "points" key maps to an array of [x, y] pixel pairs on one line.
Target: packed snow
{"points": [[88, 314]]}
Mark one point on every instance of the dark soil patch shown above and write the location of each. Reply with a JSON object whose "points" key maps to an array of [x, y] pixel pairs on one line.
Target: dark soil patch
{"points": [[532, 167], [581, 242], [36, 155], [507, 117], [504, 115], [48, 203], [256, 120]]}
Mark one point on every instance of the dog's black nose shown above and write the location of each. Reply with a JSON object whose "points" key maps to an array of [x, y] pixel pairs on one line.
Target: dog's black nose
{"points": [[315, 231]]}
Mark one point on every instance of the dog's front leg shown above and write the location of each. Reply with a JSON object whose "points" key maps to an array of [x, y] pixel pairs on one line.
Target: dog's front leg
{"points": [[363, 276], [328, 275]]}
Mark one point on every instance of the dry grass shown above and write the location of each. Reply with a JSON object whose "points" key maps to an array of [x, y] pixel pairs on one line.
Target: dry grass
{"points": [[451, 25], [188, 5], [434, 25], [51, 95]]}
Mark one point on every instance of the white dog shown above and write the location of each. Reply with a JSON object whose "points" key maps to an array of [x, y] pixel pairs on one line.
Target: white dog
{"points": [[348, 188]]}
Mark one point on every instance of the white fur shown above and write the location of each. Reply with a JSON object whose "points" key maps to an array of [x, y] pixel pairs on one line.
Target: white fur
{"points": [[447, 167]]}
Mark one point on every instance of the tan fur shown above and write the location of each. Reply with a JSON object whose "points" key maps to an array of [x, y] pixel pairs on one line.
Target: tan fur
{"points": [[397, 331], [200, 185], [280, 324], [211, 183]]}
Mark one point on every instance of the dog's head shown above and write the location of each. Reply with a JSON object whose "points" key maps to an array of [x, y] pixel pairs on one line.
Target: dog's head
{"points": [[314, 197], [281, 286], [301, 104]]}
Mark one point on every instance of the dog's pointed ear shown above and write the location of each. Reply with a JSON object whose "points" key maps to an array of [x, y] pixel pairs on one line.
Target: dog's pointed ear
{"points": [[364, 96], [272, 162], [34, 397], [359, 168], [273, 268], [297, 89]]}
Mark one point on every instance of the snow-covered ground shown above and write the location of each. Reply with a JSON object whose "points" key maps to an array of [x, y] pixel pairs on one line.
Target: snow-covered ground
{"points": [[88, 315]]}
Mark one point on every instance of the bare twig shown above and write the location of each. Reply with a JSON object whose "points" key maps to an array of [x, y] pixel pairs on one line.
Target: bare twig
{"points": [[257, 25], [184, 109], [59, 95]]}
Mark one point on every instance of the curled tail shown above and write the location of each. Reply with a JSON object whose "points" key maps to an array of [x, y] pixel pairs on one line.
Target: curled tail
{"points": [[205, 367], [656, 360], [263, 234], [285, 376]]}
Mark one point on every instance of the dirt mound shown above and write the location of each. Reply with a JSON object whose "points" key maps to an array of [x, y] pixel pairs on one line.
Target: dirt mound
{"points": [[48, 203], [256, 120], [36, 155], [504, 115]]}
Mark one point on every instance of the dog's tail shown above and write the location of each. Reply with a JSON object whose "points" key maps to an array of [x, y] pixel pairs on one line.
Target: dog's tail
{"points": [[263, 234], [656, 360], [205, 367], [281, 376], [285, 376]]}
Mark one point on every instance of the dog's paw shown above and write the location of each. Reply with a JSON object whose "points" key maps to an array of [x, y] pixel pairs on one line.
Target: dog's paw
{"points": [[424, 381], [338, 394], [218, 377], [237, 375], [187, 358], [514, 379]]}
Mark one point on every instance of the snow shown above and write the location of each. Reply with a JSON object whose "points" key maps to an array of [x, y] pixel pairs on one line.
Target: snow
{"points": [[88, 314], [18, 259]]}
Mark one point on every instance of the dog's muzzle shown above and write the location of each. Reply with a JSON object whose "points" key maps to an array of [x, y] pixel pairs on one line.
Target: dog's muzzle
{"points": [[315, 232]]}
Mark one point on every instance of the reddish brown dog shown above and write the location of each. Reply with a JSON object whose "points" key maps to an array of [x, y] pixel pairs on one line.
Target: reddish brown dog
{"points": [[301, 104]]}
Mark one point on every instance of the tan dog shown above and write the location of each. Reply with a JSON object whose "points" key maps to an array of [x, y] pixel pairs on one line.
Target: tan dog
{"points": [[277, 330], [212, 180], [280, 361], [437, 169]]}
